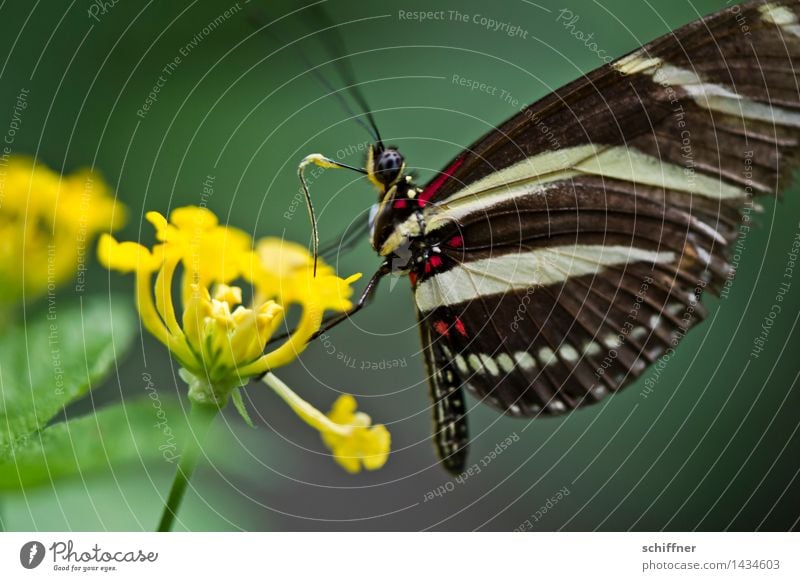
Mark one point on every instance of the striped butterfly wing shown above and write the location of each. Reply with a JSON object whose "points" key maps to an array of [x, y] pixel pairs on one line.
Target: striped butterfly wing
{"points": [[578, 238], [574, 324], [697, 98], [450, 436]]}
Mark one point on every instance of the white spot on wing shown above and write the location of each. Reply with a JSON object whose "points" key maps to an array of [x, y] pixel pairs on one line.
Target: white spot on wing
{"points": [[525, 360], [546, 356], [569, 353], [781, 16], [462, 365], [475, 363], [592, 349], [675, 308], [490, 365], [637, 62], [505, 362], [703, 254]]}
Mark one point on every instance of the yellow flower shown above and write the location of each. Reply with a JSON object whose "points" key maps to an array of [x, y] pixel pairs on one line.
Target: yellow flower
{"points": [[349, 434], [285, 271], [362, 443], [47, 223], [209, 251], [220, 342]]}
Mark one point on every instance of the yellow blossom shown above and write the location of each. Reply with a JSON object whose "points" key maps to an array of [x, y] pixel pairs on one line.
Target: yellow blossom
{"points": [[47, 224], [221, 342], [348, 433], [210, 252], [362, 443], [285, 271]]}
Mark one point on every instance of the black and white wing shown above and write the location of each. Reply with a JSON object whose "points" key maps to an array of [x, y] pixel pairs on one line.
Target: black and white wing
{"points": [[578, 238], [450, 436]]}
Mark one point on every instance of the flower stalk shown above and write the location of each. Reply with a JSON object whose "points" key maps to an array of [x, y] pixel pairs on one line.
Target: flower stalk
{"points": [[200, 419]]}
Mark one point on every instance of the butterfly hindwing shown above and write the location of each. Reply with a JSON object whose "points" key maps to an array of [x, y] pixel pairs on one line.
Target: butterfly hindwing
{"points": [[450, 433], [553, 347]]}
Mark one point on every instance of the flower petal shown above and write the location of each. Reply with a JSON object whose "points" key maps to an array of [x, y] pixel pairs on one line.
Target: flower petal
{"points": [[125, 256], [193, 218], [362, 444]]}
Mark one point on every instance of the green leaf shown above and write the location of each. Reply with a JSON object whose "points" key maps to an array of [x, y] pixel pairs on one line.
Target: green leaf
{"points": [[55, 359], [238, 403], [149, 429], [132, 500]]}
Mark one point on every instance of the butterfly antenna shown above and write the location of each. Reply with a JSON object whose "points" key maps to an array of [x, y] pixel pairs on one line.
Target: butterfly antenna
{"points": [[334, 45], [260, 22]]}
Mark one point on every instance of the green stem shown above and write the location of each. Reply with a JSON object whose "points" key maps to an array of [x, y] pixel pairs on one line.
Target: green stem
{"points": [[200, 419]]}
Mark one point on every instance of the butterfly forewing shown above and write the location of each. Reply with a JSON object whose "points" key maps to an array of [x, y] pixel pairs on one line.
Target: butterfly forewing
{"points": [[728, 79]]}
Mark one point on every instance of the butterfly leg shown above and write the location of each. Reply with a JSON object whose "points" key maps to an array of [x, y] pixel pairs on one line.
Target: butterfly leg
{"points": [[368, 293], [328, 324]]}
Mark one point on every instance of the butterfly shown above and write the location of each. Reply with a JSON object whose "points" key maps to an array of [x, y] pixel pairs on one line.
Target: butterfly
{"points": [[562, 254]]}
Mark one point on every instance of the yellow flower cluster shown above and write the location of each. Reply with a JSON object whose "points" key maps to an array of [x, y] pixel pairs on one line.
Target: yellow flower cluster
{"points": [[47, 224], [220, 342]]}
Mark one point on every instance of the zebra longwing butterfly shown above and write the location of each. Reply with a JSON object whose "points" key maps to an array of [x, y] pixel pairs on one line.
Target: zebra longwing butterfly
{"points": [[564, 252]]}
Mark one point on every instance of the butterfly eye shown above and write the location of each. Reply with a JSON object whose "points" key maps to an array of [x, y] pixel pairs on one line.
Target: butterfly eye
{"points": [[388, 166]]}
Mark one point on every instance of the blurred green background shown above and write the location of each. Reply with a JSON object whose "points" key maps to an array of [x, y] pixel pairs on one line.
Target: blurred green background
{"points": [[715, 446]]}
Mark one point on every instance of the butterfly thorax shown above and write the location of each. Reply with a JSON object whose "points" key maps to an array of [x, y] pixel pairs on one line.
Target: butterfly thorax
{"points": [[397, 220], [397, 223]]}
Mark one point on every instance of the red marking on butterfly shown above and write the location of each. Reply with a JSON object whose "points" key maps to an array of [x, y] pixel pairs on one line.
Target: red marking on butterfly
{"points": [[412, 276], [460, 327], [433, 262], [456, 241], [436, 184], [400, 204], [441, 328]]}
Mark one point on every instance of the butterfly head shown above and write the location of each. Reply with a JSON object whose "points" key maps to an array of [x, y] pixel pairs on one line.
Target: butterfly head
{"points": [[385, 166]]}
